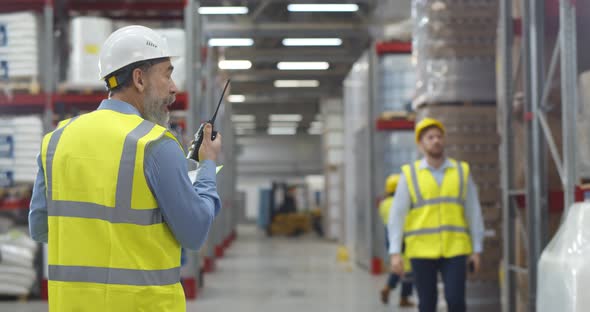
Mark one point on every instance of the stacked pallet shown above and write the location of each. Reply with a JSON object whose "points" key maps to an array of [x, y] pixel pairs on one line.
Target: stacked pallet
{"points": [[17, 253], [454, 46], [19, 51], [20, 141], [472, 137]]}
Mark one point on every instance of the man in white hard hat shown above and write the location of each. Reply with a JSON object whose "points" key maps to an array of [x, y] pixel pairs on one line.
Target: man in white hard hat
{"points": [[112, 197]]}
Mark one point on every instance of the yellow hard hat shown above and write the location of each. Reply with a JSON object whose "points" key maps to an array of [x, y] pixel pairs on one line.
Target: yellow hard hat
{"points": [[427, 123], [391, 183]]}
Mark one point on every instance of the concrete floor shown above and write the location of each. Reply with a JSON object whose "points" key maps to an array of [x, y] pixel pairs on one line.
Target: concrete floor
{"points": [[259, 274]]}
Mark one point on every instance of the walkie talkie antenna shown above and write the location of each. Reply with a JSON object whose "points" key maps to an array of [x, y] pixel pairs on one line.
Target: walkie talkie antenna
{"points": [[212, 121]]}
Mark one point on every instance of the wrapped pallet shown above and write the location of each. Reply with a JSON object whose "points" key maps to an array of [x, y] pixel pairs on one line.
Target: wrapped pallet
{"points": [[17, 274], [583, 125], [19, 50], [454, 49], [87, 35], [20, 140]]}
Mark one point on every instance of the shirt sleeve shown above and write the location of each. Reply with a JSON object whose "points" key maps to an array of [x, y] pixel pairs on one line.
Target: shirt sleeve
{"points": [[399, 210], [38, 207], [473, 216], [188, 209]]}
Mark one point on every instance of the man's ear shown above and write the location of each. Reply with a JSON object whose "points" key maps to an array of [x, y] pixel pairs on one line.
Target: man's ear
{"points": [[138, 77]]}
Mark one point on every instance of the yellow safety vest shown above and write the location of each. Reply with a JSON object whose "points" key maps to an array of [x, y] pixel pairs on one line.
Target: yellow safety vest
{"points": [[384, 209], [435, 226], [109, 248]]}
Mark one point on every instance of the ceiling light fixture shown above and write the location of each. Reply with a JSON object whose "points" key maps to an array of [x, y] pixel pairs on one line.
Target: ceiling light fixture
{"points": [[282, 131], [303, 65], [234, 64], [285, 117], [296, 83], [243, 118], [231, 42], [317, 7], [217, 10], [320, 42]]}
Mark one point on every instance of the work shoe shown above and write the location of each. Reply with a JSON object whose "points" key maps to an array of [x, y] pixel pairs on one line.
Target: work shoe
{"points": [[404, 302], [385, 295]]}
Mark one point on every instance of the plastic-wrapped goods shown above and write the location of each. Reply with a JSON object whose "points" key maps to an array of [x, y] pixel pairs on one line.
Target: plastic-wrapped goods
{"points": [[17, 273], [19, 46], [397, 79], [454, 50], [20, 140], [564, 270], [86, 38], [583, 125], [176, 42]]}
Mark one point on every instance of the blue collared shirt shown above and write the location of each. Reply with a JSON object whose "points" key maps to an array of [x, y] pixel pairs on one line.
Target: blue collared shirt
{"points": [[402, 202], [188, 209]]}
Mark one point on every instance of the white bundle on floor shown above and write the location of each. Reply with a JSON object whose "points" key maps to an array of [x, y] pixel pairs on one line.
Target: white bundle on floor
{"points": [[19, 45], [17, 254]]}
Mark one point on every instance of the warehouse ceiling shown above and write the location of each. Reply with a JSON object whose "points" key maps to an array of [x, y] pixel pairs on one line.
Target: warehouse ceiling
{"points": [[268, 22]]}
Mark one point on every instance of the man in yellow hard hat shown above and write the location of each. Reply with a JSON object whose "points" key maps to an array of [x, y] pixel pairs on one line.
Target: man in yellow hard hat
{"points": [[436, 212], [393, 279]]}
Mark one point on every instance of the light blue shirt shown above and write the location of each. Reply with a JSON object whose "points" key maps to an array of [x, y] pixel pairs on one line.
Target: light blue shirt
{"points": [[402, 202], [188, 209]]}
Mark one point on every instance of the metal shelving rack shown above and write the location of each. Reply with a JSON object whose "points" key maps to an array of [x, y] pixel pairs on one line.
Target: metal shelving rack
{"points": [[48, 100], [539, 136]]}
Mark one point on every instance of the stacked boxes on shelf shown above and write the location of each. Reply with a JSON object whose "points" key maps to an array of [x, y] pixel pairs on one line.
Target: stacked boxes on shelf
{"points": [[472, 137], [20, 141], [454, 46], [19, 51]]}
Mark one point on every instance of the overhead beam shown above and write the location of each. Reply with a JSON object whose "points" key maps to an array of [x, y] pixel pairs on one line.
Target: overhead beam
{"points": [[293, 54], [340, 29], [271, 74]]}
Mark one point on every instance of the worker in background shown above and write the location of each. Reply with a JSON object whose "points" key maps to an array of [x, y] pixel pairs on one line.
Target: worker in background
{"points": [[393, 279], [443, 228], [113, 198]]}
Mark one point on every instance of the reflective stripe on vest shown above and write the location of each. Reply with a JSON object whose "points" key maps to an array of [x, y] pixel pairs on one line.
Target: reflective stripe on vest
{"points": [[121, 213], [447, 228], [98, 275]]}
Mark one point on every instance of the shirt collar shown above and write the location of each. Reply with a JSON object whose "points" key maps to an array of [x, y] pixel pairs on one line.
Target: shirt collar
{"points": [[447, 164], [118, 106]]}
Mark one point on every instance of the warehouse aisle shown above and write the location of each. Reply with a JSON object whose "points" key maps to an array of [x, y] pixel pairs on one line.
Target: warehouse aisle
{"points": [[259, 274]]}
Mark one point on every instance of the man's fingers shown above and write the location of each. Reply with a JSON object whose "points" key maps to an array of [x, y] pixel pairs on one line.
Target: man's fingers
{"points": [[207, 132]]}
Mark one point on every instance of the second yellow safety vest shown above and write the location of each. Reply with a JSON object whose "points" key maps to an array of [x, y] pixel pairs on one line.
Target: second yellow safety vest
{"points": [[435, 226], [109, 247]]}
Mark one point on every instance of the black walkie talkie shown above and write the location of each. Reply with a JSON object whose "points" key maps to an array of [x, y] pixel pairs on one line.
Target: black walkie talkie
{"points": [[193, 152]]}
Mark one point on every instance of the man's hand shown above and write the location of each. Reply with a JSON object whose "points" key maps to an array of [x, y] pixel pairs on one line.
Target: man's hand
{"points": [[475, 259], [397, 264], [209, 150]]}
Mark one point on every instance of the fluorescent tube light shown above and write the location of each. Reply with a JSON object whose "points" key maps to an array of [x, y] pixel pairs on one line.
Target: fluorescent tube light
{"points": [[231, 42], [296, 83], [303, 65], [282, 131], [316, 7], [285, 117], [243, 118], [234, 64], [223, 10], [299, 42]]}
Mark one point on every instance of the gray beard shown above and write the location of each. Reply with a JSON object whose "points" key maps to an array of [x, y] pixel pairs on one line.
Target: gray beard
{"points": [[154, 113]]}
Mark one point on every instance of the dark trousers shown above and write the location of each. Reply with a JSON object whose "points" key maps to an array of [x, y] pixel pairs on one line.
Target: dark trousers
{"points": [[454, 274], [394, 278], [406, 283]]}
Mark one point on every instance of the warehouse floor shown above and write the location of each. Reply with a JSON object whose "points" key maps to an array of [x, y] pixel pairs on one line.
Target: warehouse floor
{"points": [[261, 274]]}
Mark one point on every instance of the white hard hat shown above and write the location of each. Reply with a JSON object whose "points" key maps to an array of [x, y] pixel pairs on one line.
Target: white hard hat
{"points": [[129, 45]]}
